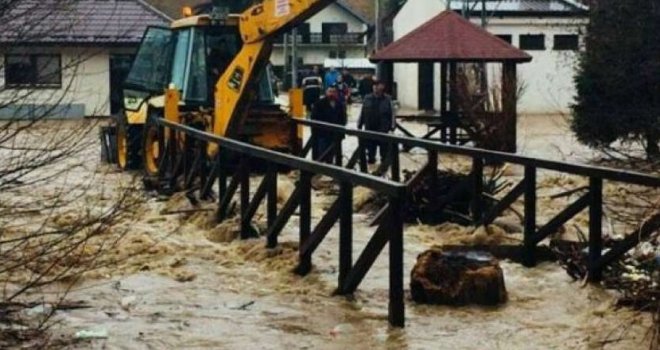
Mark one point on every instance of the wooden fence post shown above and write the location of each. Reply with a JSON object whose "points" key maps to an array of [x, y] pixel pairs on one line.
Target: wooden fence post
{"points": [[393, 149], [345, 232], [477, 189], [397, 305], [305, 184], [529, 258], [245, 196], [595, 228], [271, 208]]}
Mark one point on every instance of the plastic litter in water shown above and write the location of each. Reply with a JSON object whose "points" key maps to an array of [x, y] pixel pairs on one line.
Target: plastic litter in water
{"points": [[92, 334]]}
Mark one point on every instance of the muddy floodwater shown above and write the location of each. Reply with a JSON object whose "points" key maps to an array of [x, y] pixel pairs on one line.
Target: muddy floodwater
{"points": [[179, 282], [239, 301]]}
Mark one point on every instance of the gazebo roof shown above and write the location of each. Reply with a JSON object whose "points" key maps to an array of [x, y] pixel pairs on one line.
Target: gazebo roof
{"points": [[449, 37]]}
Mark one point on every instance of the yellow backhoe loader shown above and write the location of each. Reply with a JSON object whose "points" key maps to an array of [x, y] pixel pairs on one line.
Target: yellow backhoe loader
{"points": [[210, 71]]}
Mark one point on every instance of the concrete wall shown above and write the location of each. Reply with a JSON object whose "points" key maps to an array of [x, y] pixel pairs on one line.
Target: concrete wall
{"points": [[85, 89], [547, 81]]}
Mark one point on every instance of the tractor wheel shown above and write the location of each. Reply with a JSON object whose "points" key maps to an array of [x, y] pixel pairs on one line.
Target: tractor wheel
{"points": [[152, 137], [129, 140]]}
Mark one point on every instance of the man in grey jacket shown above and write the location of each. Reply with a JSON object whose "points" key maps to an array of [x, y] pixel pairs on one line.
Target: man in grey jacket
{"points": [[377, 115]]}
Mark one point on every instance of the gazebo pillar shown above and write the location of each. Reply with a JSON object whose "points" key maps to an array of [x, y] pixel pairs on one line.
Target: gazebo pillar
{"points": [[509, 102], [387, 75], [425, 86], [452, 121], [444, 98]]}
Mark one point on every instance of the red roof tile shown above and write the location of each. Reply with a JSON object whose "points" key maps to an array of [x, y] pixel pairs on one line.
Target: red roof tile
{"points": [[450, 37]]}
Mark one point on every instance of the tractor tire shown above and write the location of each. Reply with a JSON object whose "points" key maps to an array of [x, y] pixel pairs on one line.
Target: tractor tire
{"points": [[152, 141], [128, 145]]}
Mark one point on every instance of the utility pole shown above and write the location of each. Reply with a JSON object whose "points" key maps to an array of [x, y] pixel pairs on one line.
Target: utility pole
{"points": [[377, 26], [483, 13], [377, 36], [285, 53], [294, 58]]}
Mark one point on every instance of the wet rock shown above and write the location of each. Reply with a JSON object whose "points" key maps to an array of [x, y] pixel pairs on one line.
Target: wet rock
{"points": [[457, 278]]}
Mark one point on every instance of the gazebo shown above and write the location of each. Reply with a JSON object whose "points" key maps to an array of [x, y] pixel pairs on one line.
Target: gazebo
{"points": [[449, 39]]}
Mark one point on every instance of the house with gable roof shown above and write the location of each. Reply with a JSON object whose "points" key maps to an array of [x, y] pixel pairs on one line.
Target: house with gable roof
{"points": [[338, 32], [68, 58]]}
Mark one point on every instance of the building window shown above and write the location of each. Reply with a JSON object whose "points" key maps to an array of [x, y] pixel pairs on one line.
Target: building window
{"points": [[532, 42], [33, 71], [566, 42], [505, 37], [304, 33], [337, 54]]}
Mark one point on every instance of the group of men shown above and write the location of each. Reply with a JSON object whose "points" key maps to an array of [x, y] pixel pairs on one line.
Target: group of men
{"points": [[377, 114], [315, 81]]}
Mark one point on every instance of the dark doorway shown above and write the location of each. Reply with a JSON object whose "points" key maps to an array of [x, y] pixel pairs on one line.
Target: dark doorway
{"points": [[425, 93], [120, 66]]}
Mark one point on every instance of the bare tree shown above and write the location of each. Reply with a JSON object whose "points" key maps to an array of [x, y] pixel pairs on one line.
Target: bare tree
{"points": [[483, 117], [56, 210]]}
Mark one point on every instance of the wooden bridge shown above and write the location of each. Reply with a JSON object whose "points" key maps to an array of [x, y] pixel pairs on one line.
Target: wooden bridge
{"points": [[200, 174]]}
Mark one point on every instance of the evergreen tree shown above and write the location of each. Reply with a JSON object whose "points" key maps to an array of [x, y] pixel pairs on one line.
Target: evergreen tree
{"points": [[618, 81]]}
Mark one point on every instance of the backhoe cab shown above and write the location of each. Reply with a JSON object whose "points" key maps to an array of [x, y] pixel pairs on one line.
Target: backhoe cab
{"points": [[190, 57]]}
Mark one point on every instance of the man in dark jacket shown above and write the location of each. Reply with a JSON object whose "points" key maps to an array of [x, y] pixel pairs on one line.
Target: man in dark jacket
{"points": [[377, 115], [328, 110], [366, 86], [312, 88]]}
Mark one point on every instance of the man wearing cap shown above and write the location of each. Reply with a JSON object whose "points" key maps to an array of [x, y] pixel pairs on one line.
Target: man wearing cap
{"points": [[377, 115]]}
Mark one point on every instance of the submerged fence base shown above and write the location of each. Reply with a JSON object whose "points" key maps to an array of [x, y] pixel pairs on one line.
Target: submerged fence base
{"points": [[191, 169], [201, 174]]}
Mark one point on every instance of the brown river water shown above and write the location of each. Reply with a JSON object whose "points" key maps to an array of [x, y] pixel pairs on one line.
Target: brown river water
{"points": [[178, 283], [241, 297]]}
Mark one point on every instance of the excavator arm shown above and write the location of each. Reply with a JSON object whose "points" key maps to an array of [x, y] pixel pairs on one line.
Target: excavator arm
{"points": [[258, 27]]}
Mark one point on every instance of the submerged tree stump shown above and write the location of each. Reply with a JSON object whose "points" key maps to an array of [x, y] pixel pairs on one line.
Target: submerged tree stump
{"points": [[457, 278]]}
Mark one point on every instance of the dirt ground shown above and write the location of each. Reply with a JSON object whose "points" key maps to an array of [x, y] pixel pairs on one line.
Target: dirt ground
{"points": [[181, 281]]}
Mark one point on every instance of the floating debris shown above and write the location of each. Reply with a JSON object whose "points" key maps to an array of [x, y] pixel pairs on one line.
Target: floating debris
{"points": [[92, 334]]}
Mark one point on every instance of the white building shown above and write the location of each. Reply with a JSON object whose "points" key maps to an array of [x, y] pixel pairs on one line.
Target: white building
{"points": [[68, 63], [549, 30], [337, 32]]}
